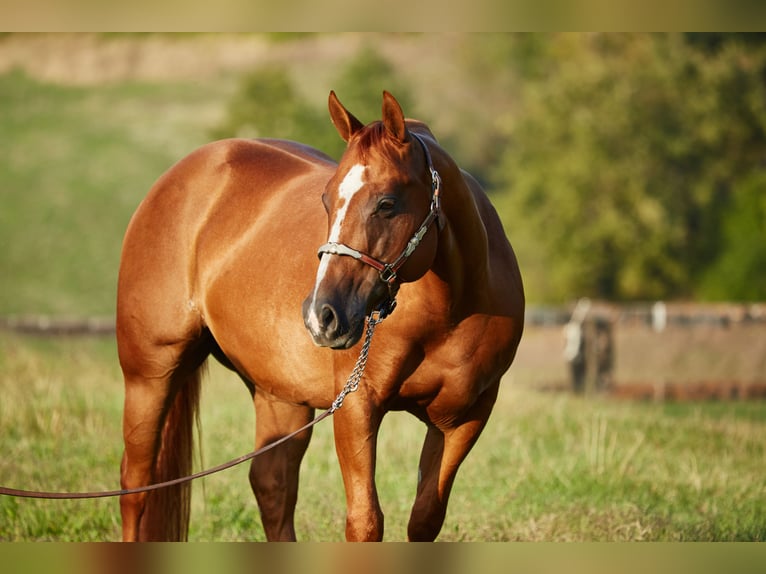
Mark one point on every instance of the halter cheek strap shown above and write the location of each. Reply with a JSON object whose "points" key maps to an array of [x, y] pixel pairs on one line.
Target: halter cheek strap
{"points": [[388, 271]]}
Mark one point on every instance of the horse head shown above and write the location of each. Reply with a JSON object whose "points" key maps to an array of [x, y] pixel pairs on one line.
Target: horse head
{"points": [[381, 204]]}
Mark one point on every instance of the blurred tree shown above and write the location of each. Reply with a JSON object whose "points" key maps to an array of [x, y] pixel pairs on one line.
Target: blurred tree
{"points": [[738, 272], [361, 83], [624, 166], [267, 104], [625, 160], [481, 102]]}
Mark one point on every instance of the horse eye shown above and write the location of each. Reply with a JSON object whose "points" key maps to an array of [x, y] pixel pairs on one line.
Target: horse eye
{"points": [[386, 204]]}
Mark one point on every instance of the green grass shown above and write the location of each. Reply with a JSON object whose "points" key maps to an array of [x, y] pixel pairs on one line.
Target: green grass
{"points": [[75, 163], [547, 468]]}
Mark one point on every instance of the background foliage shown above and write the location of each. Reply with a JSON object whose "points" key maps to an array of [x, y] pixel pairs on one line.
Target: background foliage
{"points": [[624, 166], [628, 170], [269, 104]]}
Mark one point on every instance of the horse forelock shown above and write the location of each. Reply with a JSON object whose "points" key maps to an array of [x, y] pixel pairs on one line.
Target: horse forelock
{"points": [[374, 140]]}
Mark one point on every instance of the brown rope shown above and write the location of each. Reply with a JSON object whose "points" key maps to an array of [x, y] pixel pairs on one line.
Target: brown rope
{"points": [[107, 493], [351, 385]]}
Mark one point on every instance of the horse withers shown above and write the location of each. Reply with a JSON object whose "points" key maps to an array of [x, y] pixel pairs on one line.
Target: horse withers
{"points": [[221, 258]]}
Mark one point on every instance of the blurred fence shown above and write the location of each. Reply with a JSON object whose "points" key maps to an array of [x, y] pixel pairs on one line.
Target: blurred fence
{"points": [[650, 314], [652, 351], [655, 314], [58, 326]]}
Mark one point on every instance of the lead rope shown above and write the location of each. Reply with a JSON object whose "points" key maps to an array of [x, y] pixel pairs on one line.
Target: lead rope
{"points": [[352, 384]]}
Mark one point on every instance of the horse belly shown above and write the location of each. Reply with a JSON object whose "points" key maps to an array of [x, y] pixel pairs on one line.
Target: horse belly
{"points": [[254, 294], [276, 355]]}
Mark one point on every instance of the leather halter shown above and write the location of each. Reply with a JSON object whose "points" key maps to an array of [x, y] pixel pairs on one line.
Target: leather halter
{"points": [[388, 271]]}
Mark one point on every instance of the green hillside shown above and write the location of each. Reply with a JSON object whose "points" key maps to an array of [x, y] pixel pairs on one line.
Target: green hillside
{"points": [[76, 161]]}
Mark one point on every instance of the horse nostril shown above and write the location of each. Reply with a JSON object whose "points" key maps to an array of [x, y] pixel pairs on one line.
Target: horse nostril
{"points": [[329, 326], [328, 318]]}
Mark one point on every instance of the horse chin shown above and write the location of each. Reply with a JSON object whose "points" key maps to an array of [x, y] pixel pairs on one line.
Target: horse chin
{"points": [[346, 342], [338, 342]]}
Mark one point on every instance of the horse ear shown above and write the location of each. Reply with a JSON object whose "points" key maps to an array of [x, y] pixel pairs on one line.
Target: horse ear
{"points": [[345, 122], [393, 117]]}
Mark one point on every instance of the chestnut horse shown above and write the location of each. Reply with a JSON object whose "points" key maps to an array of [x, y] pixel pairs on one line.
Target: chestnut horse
{"points": [[219, 259]]}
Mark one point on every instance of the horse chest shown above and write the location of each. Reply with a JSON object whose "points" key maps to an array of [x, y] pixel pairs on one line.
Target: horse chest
{"points": [[453, 372]]}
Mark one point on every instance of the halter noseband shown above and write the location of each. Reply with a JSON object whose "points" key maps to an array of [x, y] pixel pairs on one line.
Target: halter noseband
{"points": [[388, 271]]}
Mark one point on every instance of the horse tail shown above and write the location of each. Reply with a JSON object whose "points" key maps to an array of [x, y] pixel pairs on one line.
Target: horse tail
{"points": [[166, 514]]}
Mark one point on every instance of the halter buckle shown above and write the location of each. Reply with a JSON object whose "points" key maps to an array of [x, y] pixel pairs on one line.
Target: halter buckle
{"points": [[388, 275]]}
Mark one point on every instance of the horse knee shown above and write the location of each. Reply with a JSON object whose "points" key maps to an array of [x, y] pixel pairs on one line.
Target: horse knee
{"points": [[364, 525]]}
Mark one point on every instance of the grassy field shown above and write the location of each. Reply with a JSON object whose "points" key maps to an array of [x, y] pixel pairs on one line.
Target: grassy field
{"points": [[548, 467]]}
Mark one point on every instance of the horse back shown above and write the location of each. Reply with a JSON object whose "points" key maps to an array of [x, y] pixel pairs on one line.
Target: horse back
{"points": [[221, 239], [223, 177]]}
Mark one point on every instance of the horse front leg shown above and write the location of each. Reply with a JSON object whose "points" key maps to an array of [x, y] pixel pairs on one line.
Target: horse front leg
{"points": [[356, 427], [443, 452]]}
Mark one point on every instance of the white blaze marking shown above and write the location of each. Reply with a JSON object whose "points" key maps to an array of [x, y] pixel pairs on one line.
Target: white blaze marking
{"points": [[350, 185]]}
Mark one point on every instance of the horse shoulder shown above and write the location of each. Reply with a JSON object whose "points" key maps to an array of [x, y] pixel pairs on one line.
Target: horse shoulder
{"points": [[473, 352]]}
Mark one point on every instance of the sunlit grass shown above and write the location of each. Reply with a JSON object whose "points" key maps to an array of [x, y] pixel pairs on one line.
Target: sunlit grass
{"points": [[549, 467]]}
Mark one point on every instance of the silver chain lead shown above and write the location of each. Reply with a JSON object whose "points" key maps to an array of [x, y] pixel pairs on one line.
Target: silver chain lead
{"points": [[352, 384]]}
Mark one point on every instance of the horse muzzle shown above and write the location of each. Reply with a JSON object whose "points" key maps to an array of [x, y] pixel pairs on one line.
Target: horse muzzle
{"points": [[330, 325]]}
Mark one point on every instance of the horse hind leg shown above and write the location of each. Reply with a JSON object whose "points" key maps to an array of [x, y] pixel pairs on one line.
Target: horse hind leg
{"points": [[274, 474], [161, 403]]}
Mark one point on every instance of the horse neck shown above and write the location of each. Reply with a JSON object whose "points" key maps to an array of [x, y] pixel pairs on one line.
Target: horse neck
{"points": [[462, 258]]}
